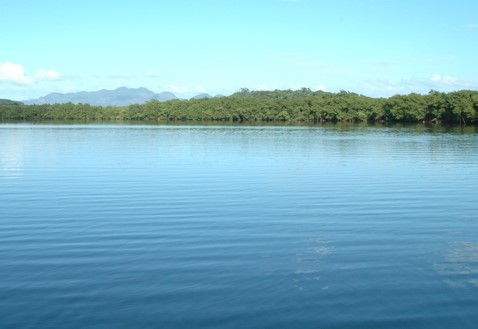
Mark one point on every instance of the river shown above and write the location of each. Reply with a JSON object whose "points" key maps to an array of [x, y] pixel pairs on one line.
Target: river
{"points": [[196, 226]]}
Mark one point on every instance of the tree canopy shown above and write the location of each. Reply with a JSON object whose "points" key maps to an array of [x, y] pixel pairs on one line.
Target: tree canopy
{"points": [[245, 105]]}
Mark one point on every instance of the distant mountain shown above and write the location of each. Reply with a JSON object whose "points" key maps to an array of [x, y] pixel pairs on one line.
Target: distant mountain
{"points": [[9, 102], [200, 96], [165, 96], [118, 97]]}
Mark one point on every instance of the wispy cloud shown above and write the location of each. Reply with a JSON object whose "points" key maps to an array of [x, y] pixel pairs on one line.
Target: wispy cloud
{"points": [[125, 76], [379, 63], [389, 62], [431, 59], [314, 63], [445, 80], [185, 90], [440, 82], [199, 89], [11, 73], [177, 89], [122, 75], [471, 26], [43, 74]]}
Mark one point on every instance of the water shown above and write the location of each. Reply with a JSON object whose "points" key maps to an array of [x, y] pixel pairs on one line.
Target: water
{"points": [[128, 226]]}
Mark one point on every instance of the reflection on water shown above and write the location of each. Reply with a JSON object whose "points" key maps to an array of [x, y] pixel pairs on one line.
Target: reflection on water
{"points": [[11, 155], [310, 264], [460, 266]]}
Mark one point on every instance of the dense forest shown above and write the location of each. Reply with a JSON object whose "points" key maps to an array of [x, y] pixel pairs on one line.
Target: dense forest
{"points": [[304, 105]]}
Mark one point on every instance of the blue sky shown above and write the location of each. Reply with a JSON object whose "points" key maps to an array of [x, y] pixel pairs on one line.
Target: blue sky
{"points": [[373, 47]]}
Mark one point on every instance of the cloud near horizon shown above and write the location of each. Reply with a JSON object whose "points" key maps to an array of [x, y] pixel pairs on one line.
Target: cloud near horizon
{"points": [[12, 73], [438, 82]]}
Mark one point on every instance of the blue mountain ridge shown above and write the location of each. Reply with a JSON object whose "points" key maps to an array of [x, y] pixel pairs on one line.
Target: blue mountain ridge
{"points": [[118, 97]]}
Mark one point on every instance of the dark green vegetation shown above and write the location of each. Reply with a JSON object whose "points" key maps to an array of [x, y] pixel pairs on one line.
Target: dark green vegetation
{"points": [[262, 106], [9, 102]]}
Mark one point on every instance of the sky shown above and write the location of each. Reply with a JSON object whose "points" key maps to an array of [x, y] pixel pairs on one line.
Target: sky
{"points": [[378, 48]]}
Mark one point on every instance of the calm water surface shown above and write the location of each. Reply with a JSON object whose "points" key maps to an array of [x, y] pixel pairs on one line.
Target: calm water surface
{"points": [[130, 226]]}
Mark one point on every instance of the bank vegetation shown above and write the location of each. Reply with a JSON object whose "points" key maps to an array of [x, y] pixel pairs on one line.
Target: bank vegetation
{"points": [[304, 105]]}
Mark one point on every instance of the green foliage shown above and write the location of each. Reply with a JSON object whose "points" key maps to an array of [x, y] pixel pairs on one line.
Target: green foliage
{"points": [[301, 105], [9, 102]]}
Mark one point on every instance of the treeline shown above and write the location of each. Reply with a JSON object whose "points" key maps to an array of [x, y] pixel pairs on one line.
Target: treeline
{"points": [[9, 102], [301, 105]]}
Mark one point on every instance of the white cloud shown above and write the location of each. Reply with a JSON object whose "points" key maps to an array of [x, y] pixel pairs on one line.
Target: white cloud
{"points": [[382, 88], [439, 82], [47, 75], [177, 89], [199, 89], [447, 80], [118, 75], [15, 74]]}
